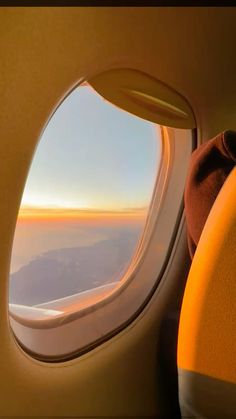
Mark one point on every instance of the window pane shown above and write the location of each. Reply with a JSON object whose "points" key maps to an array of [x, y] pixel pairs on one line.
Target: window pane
{"points": [[85, 203]]}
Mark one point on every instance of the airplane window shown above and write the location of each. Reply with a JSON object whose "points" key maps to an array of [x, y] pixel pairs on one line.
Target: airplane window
{"points": [[84, 208]]}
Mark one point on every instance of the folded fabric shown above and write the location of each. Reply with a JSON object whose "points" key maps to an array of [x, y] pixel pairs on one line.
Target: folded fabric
{"points": [[209, 167]]}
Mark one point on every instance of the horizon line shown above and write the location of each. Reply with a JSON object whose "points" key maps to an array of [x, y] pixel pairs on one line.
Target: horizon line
{"points": [[28, 212]]}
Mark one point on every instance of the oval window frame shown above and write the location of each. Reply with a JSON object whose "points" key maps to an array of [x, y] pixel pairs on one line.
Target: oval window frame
{"points": [[98, 322]]}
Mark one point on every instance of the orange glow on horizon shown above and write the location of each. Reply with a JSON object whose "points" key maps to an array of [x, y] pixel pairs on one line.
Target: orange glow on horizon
{"points": [[71, 214]]}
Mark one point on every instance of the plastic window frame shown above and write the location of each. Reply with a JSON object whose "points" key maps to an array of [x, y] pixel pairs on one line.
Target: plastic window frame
{"points": [[71, 335]]}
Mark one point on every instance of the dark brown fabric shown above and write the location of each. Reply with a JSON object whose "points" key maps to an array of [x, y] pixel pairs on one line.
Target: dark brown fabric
{"points": [[209, 167]]}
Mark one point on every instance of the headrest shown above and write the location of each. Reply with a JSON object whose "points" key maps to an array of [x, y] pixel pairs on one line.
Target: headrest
{"points": [[209, 167]]}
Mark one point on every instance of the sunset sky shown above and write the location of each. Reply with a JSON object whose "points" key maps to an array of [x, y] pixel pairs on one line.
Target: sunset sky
{"points": [[91, 179], [92, 156]]}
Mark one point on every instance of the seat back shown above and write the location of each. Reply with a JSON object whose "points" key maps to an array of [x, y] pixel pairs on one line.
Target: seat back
{"points": [[207, 330]]}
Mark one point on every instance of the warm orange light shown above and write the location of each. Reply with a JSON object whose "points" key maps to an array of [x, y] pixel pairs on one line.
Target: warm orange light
{"points": [[84, 215]]}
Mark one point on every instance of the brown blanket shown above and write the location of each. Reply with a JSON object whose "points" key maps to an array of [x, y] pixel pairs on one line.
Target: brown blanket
{"points": [[209, 167]]}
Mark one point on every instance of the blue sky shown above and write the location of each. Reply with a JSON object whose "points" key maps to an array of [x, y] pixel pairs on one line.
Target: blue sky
{"points": [[93, 155]]}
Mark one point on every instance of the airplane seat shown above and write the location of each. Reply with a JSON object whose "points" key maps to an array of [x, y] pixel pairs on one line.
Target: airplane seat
{"points": [[206, 353]]}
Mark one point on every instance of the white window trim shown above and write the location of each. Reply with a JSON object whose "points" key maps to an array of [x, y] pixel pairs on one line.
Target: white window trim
{"points": [[56, 338]]}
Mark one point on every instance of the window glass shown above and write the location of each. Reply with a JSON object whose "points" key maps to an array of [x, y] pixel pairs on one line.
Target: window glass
{"points": [[85, 204]]}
